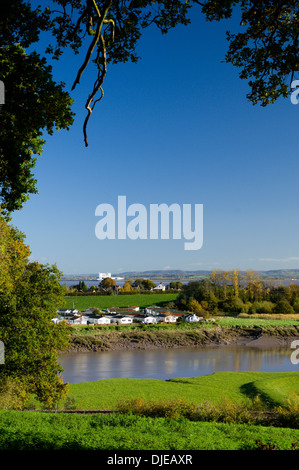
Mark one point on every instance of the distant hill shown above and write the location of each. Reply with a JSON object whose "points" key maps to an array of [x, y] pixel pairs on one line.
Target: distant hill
{"points": [[178, 274], [281, 273], [165, 274]]}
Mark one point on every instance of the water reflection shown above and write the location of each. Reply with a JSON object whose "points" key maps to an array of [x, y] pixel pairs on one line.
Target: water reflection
{"points": [[165, 364]]}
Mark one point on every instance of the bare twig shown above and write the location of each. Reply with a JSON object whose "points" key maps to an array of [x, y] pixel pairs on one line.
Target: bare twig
{"points": [[97, 86]]}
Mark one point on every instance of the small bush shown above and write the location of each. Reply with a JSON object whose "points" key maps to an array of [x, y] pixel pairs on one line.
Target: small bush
{"points": [[263, 307], [70, 404], [283, 306], [253, 412], [288, 416], [13, 394], [170, 409], [230, 412], [227, 412], [235, 306], [243, 315]]}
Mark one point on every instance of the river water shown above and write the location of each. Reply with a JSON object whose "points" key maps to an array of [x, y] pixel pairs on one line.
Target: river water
{"points": [[164, 364], [170, 363]]}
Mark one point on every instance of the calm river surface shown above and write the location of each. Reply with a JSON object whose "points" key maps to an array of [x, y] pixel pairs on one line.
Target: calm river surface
{"points": [[166, 364]]}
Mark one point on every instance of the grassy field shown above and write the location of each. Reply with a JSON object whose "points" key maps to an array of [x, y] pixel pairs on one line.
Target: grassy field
{"points": [[32, 430], [277, 390], [39, 431], [215, 388], [259, 320], [106, 301]]}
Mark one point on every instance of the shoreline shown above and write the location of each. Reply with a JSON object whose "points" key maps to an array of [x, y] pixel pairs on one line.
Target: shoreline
{"points": [[177, 339]]}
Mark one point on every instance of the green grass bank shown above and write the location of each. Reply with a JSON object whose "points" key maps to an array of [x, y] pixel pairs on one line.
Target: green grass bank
{"points": [[146, 428], [237, 387]]}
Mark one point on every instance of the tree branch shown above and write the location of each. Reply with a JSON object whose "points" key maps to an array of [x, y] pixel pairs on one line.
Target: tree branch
{"points": [[95, 40], [97, 86]]}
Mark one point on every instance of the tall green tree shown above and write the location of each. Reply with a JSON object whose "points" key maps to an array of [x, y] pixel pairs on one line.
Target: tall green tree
{"points": [[30, 294]]}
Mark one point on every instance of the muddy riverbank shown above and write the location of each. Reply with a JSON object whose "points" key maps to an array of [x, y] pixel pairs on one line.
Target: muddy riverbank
{"points": [[114, 340]]}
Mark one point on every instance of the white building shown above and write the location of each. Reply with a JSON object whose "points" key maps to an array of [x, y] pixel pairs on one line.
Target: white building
{"points": [[159, 287], [123, 320], [149, 319], [103, 276], [170, 319], [67, 311], [192, 318], [90, 310], [153, 310], [103, 321], [75, 320]]}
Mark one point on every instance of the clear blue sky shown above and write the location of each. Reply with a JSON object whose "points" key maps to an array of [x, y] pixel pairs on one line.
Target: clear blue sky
{"points": [[175, 128]]}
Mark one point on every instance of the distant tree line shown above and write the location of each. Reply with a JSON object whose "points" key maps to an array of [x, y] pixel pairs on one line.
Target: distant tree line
{"points": [[236, 292], [108, 286]]}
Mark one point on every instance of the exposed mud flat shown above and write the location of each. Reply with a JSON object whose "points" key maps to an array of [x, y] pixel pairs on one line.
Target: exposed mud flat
{"points": [[269, 342], [180, 338]]}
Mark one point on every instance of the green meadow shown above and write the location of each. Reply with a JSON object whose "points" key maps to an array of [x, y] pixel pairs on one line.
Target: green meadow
{"points": [[240, 387], [105, 301], [40, 431], [144, 427]]}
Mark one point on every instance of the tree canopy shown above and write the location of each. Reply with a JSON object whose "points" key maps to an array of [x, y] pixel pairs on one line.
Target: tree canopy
{"points": [[264, 47], [34, 104]]}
